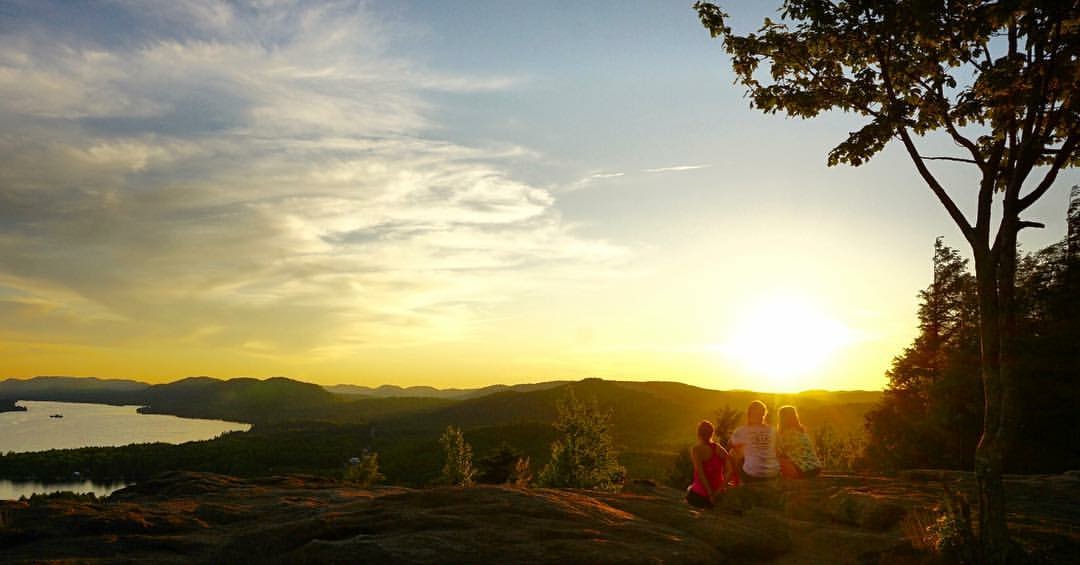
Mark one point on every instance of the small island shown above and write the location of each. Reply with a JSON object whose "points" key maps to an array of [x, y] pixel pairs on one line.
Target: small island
{"points": [[9, 406]]}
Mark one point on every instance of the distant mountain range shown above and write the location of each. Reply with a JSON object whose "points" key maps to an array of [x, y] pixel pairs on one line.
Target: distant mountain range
{"points": [[74, 389], [645, 413], [394, 391]]}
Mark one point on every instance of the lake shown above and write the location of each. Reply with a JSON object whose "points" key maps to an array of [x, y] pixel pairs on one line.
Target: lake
{"points": [[92, 425]]}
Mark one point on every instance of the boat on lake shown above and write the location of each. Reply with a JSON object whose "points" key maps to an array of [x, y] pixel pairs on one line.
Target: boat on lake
{"points": [[56, 416]]}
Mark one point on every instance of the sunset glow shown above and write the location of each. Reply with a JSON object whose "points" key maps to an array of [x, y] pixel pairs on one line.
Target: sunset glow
{"points": [[430, 193], [785, 339]]}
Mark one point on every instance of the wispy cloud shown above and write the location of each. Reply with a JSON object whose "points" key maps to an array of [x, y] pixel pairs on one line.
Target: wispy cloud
{"points": [[252, 175], [590, 179], [675, 168]]}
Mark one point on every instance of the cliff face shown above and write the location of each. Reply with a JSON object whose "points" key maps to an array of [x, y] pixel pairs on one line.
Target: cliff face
{"points": [[198, 517]]}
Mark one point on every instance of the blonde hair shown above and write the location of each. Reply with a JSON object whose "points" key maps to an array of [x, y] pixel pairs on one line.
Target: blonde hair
{"points": [[788, 418], [756, 406], [705, 430]]}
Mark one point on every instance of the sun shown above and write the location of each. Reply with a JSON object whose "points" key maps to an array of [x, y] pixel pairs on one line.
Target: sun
{"points": [[785, 339]]}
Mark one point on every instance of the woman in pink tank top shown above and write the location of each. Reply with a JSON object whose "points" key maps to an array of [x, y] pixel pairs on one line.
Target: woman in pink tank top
{"points": [[710, 468]]}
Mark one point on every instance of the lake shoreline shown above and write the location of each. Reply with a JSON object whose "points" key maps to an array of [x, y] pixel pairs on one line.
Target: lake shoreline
{"points": [[43, 426]]}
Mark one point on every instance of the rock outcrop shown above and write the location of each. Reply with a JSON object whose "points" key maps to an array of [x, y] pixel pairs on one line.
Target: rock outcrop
{"points": [[207, 518]]}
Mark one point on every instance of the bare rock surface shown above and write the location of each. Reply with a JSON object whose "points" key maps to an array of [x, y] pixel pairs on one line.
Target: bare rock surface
{"points": [[206, 518]]}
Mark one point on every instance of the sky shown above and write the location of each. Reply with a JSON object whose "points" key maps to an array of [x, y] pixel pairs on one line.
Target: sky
{"points": [[442, 193]]}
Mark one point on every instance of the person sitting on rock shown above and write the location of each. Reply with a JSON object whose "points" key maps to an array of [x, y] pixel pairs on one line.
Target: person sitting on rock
{"points": [[753, 446], [710, 468], [796, 453]]}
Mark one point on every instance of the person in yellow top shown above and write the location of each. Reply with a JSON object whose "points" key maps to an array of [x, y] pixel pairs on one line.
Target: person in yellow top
{"points": [[793, 447]]}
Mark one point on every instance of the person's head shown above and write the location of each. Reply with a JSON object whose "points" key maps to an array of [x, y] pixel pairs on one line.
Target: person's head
{"points": [[705, 431], [788, 418], [755, 413]]}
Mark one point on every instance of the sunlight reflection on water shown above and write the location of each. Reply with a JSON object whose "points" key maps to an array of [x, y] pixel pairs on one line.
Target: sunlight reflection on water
{"points": [[92, 425]]}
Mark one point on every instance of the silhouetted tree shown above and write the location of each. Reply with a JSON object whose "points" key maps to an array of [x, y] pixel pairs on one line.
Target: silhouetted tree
{"points": [[583, 456], [928, 416], [458, 468], [999, 79]]}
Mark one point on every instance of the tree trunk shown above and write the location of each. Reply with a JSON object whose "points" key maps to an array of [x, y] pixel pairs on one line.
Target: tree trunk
{"points": [[995, 274]]}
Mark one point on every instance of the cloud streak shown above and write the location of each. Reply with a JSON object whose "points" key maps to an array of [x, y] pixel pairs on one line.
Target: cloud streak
{"points": [[675, 168], [252, 177]]}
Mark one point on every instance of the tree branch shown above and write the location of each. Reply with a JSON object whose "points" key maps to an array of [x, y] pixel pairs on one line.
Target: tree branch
{"points": [[938, 190], [935, 186], [1063, 156], [957, 159], [957, 137]]}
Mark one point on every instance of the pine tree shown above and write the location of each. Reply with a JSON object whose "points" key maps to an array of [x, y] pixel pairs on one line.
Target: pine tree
{"points": [[458, 468], [583, 456]]}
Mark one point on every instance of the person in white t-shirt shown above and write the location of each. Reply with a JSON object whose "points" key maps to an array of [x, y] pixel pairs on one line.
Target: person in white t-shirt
{"points": [[753, 446]]}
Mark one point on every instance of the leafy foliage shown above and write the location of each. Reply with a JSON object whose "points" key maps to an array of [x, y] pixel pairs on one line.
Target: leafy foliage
{"points": [[457, 468], [583, 456]]}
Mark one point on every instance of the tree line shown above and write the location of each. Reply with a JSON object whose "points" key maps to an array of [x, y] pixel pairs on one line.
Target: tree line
{"points": [[931, 413]]}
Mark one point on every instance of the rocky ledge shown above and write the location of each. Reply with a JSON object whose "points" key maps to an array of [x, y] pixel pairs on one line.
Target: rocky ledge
{"points": [[199, 517]]}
